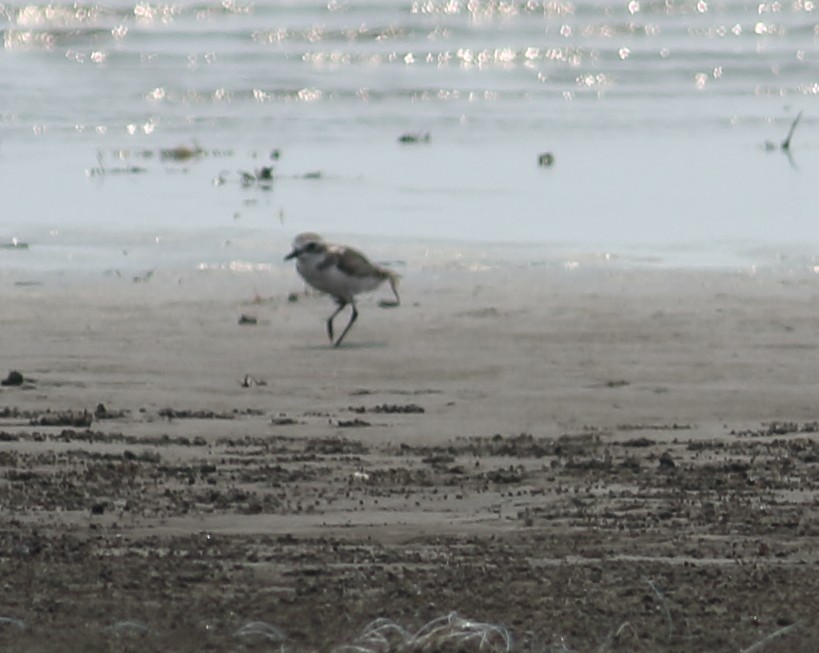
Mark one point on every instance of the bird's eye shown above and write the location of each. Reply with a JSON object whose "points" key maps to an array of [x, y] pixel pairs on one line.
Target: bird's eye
{"points": [[311, 247]]}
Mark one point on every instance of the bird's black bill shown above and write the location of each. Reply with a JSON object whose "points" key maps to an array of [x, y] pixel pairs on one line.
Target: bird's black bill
{"points": [[292, 254]]}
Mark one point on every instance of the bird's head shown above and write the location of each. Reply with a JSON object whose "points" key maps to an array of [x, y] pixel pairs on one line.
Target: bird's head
{"points": [[307, 245]]}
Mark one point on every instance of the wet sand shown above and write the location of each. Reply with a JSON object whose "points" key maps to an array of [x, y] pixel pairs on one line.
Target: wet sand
{"points": [[600, 459]]}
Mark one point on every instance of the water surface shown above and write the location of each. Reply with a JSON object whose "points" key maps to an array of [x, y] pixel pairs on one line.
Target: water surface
{"points": [[657, 114]]}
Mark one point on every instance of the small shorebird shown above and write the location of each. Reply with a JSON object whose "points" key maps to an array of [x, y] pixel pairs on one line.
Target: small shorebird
{"points": [[341, 272]]}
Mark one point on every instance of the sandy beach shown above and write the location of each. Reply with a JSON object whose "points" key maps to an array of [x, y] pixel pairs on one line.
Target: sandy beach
{"points": [[596, 459]]}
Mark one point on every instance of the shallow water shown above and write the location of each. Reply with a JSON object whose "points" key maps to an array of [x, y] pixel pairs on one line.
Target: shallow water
{"points": [[656, 113]]}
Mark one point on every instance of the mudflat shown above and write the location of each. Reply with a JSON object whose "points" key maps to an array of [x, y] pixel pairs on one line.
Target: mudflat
{"points": [[566, 459]]}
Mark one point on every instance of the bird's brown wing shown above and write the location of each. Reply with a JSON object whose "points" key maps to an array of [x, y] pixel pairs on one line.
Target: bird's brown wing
{"points": [[353, 263]]}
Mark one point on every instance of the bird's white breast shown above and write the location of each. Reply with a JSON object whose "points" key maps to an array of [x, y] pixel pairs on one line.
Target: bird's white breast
{"points": [[333, 281]]}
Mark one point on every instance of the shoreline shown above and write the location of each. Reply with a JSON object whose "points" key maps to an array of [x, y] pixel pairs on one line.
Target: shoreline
{"points": [[252, 250]]}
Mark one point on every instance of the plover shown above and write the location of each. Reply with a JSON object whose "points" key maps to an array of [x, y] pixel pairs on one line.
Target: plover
{"points": [[342, 272]]}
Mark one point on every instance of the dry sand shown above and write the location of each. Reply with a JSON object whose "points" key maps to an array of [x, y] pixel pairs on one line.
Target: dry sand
{"points": [[600, 459]]}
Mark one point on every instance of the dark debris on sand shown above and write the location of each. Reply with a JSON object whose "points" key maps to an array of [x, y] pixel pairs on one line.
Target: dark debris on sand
{"points": [[14, 378], [583, 542]]}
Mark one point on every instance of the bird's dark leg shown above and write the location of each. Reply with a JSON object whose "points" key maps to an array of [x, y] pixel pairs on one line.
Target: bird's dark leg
{"points": [[341, 305], [384, 303], [394, 287], [353, 318]]}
